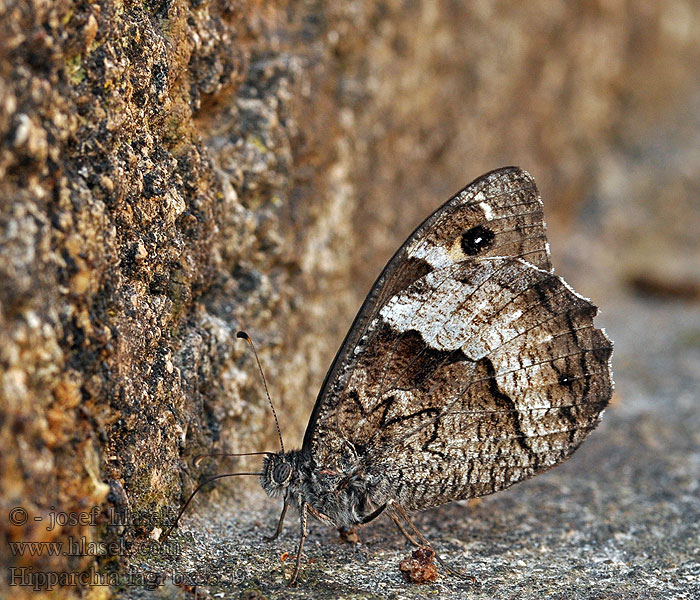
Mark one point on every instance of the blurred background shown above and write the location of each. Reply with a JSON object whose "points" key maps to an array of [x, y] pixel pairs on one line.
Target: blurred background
{"points": [[598, 100]]}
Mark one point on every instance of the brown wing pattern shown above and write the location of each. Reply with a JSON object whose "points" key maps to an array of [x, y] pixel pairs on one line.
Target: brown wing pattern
{"points": [[492, 404], [508, 197], [475, 368]]}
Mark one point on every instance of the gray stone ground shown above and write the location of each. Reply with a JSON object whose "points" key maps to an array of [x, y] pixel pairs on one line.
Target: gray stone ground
{"points": [[621, 519]]}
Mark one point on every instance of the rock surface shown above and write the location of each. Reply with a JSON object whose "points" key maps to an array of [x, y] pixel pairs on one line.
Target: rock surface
{"points": [[172, 171]]}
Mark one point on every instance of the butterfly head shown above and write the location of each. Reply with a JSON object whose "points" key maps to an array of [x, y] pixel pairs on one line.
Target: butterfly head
{"points": [[277, 473]]}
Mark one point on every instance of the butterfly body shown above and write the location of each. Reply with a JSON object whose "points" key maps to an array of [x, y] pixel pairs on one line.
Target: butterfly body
{"points": [[469, 367], [340, 498]]}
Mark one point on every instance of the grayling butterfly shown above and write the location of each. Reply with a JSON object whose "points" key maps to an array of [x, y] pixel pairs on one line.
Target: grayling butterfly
{"points": [[469, 367]]}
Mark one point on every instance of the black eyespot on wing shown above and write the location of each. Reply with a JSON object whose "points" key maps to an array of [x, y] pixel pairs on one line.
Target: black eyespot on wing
{"points": [[566, 380], [476, 240]]}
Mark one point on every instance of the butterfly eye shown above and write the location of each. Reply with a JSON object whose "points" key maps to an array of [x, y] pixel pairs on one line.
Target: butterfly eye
{"points": [[476, 240], [281, 473]]}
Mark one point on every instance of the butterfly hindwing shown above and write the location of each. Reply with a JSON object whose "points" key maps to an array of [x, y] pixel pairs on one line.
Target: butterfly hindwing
{"points": [[470, 366], [477, 408]]}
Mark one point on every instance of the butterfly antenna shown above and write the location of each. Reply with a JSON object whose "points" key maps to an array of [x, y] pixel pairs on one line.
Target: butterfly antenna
{"points": [[199, 487], [200, 457], [244, 336]]}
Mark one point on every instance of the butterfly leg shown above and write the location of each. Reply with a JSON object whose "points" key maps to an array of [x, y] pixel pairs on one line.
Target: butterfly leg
{"points": [[274, 536], [404, 515], [402, 529], [319, 515], [297, 565]]}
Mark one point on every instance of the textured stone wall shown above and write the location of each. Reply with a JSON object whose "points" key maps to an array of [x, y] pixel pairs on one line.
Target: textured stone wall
{"points": [[173, 171]]}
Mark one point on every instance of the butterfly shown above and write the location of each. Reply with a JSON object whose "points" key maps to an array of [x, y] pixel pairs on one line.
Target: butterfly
{"points": [[469, 367]]}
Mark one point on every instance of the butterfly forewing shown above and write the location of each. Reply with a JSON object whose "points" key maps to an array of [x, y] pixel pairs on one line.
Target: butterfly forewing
{"points": [[505, 201], [499, 214], [470, 366]]}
